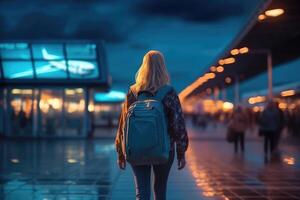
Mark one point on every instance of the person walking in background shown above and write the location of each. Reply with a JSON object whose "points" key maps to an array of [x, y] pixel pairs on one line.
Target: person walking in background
{"points": [[238, 124], [151, 79], [271, 123]]}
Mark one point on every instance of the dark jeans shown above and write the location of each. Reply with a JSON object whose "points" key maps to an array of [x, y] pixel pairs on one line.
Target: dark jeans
{"points": [[240, 138], [142, 176], [270, 142]]}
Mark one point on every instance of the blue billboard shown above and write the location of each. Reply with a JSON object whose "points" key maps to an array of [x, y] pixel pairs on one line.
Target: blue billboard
{"points": [[50, 61]]}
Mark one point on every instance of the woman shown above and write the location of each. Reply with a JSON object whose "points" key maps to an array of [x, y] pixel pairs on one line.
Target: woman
{"points": [[150, 77], [238, 125]]}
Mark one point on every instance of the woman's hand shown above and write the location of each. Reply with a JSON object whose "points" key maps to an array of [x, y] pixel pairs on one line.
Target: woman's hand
{"points": [[122, 163], [181, 163]]}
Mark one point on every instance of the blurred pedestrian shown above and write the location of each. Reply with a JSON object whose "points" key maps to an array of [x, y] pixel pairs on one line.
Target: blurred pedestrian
{"points": [[238, 124], [271, 124]]}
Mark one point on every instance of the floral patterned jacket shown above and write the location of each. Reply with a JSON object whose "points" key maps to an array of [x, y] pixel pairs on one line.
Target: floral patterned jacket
{"points": [[175, 119]]}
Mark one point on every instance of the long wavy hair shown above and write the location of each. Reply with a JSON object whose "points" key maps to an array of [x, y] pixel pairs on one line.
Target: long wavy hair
{"points": [[152, 74]]}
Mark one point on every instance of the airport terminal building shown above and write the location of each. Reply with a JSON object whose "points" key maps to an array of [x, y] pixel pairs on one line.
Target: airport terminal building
{"points": [[47, 89]]}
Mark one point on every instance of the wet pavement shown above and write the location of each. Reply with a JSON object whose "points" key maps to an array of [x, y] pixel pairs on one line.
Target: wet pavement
{"points": [[74, 169]]}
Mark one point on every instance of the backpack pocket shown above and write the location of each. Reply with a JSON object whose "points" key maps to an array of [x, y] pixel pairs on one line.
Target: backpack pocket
{"points": [[142, 135]]}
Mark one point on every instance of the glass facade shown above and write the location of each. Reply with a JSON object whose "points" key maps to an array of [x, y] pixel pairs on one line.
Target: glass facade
{"points": [[43, 112], [38, 95]]}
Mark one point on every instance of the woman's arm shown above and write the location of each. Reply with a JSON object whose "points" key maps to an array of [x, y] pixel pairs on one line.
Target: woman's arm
{"points": [[176, 123], [120, 132]]}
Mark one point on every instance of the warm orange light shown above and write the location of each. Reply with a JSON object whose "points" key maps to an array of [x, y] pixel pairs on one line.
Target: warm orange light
{"points": [[209, 75], [289, 160], [213, 68], [282, 106], [229, 60], [234, 52], [255, 109], [244, 50], [221, 62], [274, 12], [220, 69], [261, 17], [183, 94], [228, 80], [227, 106], [288, 93], [257, 99]]}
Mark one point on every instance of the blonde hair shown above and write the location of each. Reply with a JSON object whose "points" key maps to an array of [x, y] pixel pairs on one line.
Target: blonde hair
{"points": [[152, 74]]}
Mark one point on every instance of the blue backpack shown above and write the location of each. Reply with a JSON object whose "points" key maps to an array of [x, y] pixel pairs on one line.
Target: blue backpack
{"points": [[146, 138]]}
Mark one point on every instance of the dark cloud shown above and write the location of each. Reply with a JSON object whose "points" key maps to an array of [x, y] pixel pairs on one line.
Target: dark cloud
{"points": [[2, 24], [96, 29], [38, 25], [192, 10]]}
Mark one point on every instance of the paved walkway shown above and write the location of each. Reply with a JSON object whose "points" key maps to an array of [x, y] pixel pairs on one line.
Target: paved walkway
{"points": [[86, 169]]}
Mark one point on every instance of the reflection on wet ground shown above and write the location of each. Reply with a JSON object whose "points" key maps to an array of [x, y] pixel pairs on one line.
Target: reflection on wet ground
{"points": [[86, 169], [220, 174], [56, 169]]}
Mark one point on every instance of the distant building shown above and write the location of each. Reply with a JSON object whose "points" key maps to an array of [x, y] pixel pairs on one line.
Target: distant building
{"points": [[46, 87]]}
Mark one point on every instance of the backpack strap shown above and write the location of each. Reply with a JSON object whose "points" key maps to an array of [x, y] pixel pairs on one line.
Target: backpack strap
{"points": [[161, 93]]}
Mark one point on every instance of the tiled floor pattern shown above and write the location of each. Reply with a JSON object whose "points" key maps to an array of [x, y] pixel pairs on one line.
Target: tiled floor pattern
{"points": [[86, 170]]}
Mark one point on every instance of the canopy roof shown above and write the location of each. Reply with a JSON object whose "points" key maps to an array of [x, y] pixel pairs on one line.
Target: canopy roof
{"points": [[278, 35]]}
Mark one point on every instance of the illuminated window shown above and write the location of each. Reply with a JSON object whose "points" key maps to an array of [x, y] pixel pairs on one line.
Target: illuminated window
{"points": [[17, 69], [14, 51], [48, 51], [51, 69], [83, 69], [81, 51]]}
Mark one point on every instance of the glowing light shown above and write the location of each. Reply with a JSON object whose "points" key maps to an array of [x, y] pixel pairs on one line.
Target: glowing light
{"points": [[72, 107], [288, 93], [274, 12], [289, 160], [261, 17], [256, 109], [227, 106], [56, 103], [15, 160], [229, 60], [79, 90], [220, 69], [244, 50], [213, 68], [72, 161], [228, 80], [234, 52], [282, 106], [70, 92], [257, 99], [21, 91], [91, 108], [112, 96], [221, 62], [209, 75]]}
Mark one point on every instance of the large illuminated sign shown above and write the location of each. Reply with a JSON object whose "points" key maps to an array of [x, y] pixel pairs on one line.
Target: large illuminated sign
{"points": [[74, 66], [17, 63]]}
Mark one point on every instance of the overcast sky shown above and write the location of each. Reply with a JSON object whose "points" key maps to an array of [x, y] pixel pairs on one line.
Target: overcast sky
{"points": [[190, 33]]}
